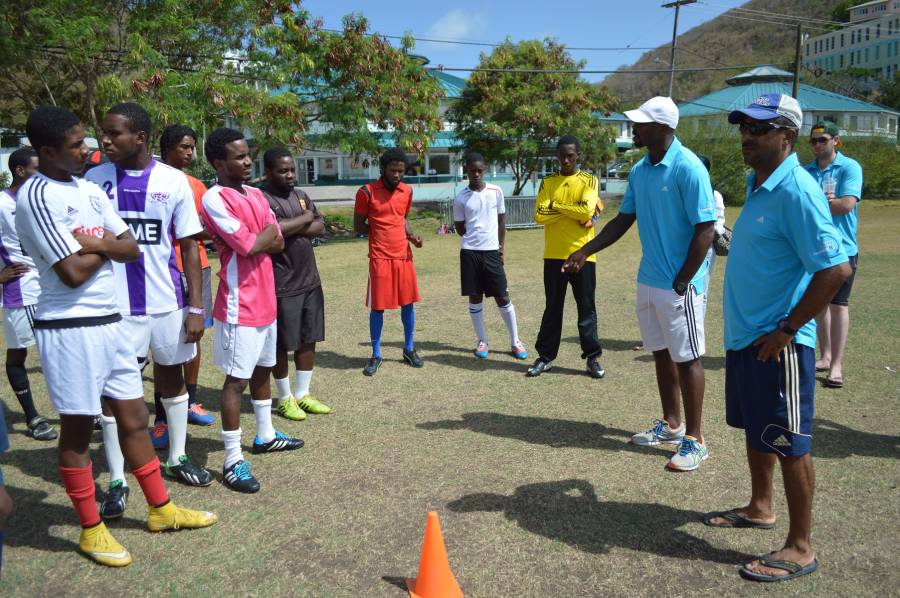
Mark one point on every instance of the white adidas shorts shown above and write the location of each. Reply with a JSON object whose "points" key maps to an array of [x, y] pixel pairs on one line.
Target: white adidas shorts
{"points": [[18, 326], [83, 364], [669, 321], [239, 349], [163, 334]]}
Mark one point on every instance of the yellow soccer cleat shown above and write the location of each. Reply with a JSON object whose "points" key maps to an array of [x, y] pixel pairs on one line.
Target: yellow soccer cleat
{"points": [[99, 545], [169, 516]]}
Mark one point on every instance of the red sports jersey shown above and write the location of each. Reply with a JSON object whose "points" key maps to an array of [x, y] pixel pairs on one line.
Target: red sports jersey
{"points": [[386, 212]]}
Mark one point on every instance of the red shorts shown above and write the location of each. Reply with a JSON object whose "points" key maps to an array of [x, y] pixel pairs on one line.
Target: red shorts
{"points": [[392, 284]]}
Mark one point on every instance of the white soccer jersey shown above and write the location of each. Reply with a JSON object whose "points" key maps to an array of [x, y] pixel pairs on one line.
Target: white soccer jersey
{"points": [[47, 213], [158, 204], [26, 289], [479, 210]]}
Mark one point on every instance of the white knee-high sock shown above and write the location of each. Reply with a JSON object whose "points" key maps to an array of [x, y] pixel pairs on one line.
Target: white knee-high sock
{"points": [[176, 416], [508, 313], [263, 411], [283, 388], [114, 458], [302, 381], [233, 454], [476, 312]]}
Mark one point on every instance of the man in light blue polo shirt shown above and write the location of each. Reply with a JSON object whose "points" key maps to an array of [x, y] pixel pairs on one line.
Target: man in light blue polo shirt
{"points": [[670, 196], [784, 265], [841, 178]]}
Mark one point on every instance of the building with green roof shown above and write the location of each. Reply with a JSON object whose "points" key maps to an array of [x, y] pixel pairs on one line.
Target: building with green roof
{"points": [[856, 118]]}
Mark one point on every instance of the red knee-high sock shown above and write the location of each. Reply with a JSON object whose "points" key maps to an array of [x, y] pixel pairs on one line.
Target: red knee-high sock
{"points": [[150, 479], [79, 483]]}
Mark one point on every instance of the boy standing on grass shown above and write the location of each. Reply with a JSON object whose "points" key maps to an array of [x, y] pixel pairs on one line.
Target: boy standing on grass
{"points": [[298, 289], [381, 212], [69, 228], [21, 291], [479, 214], [245, 232]]}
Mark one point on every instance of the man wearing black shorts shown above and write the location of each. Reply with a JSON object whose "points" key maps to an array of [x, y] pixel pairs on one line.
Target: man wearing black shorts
{"points": [[298, 289], [479, 214]]}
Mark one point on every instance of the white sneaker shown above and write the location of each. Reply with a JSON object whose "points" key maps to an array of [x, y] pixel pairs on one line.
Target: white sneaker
{"points": [[659, 433], [690, 455]]}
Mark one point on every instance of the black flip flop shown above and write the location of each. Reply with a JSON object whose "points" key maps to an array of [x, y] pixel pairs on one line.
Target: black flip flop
{"points": [[833, 383], [734, 519], [794, 570]]}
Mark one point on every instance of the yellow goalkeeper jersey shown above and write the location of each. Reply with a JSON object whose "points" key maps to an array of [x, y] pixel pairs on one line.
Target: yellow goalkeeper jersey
{"points": [[565, 206]]}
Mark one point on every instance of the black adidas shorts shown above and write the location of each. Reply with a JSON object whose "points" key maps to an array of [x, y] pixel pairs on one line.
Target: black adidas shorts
{"points": [[482, 273]]}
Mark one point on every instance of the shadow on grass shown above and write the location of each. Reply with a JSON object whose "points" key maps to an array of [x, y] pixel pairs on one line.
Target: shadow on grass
{"points": [[32, 519], [556, 433], [609, 344], [832, 440], [336, 361], [569, 511]]}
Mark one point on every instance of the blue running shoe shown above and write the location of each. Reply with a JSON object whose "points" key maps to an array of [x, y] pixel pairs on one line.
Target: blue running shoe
{"points": [[281, 442], [199, 416], [159, 435], [518, 351], [238, 477]]}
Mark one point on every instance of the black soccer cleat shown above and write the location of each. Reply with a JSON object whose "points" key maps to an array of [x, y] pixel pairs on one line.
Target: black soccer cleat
{"points": [[539, 367], [281, 442], [595, 370], [372, 366], [412, 358], [116, 499], [238, 477]]}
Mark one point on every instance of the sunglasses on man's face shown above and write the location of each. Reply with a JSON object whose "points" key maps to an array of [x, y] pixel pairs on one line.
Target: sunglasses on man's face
{"points": [[757, 129], [818, 140]]}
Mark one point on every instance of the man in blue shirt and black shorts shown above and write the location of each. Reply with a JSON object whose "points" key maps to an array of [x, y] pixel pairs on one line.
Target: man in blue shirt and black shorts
{"points": [[841, 179], [784, 266]]}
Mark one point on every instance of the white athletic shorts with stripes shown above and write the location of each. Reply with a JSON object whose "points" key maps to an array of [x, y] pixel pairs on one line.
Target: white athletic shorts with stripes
{"points": [[670, 321], [239, 349], [82, 364], [161, 334], [18, 326]]}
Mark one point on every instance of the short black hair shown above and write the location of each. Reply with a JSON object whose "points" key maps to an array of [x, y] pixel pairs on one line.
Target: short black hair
{"points": [[705, 161], [214, 148], [275, 154], [395, 154], [21, 157], [138, 118], [569, 140], [172, 136], [473, 157], [48, 125]]}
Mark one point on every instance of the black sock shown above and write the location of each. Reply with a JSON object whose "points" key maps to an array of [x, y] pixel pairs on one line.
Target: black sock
{"points": [[158, 407], [18, 379], [192, 393]]}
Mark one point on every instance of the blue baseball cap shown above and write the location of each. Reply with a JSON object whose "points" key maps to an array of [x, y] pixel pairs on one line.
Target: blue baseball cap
{"points": [[769, 106]]}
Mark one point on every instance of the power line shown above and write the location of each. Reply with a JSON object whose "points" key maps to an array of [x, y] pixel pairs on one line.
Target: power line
{"points": [[773, 14], [593, 71], [760, 20]]}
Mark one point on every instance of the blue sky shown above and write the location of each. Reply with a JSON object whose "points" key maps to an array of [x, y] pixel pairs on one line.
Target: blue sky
{"points": [[601, 23]]}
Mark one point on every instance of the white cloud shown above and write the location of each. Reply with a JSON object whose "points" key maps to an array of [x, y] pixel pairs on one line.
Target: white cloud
{"points": [[459, 24]]}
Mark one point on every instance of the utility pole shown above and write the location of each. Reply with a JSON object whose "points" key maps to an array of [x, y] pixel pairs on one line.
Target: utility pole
{"points": [[796, 89], [677, 4]]}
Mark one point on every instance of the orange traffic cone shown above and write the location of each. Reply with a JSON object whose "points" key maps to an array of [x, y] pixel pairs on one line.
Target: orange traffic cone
{"points": [[435, 579]]}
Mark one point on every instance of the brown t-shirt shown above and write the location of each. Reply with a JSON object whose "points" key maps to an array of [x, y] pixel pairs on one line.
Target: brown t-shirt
{"points": [[295, 267]]}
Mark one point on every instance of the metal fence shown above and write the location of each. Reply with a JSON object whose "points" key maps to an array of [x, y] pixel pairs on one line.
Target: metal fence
{"points": [[519, 212]]}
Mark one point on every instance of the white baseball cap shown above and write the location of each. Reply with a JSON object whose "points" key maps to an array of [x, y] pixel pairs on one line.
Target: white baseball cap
{"points": [[655, 110]]}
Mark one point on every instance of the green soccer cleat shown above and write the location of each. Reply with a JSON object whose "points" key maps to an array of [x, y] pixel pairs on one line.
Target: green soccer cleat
{"points": [[310, 405], [289, 409]]}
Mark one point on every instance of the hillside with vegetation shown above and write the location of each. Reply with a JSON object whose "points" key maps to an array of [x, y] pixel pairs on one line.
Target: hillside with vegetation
{"points": [[732, 38]]}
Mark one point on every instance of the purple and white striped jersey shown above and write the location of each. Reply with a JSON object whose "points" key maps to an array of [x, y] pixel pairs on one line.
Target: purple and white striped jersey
{"points": [[26, 289], [158, 204]]}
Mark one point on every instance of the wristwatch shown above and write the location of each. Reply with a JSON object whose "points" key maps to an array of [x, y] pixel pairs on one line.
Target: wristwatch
{"points": [[196, 311], [785, 327], [680, 288]]}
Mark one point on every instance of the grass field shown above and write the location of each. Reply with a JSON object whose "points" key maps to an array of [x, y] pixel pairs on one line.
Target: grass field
{"points": [[538, 491]]}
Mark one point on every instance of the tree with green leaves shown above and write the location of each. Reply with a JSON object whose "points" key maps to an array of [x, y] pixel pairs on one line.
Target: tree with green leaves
{"points": [[266, 65], [523, 97]]}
